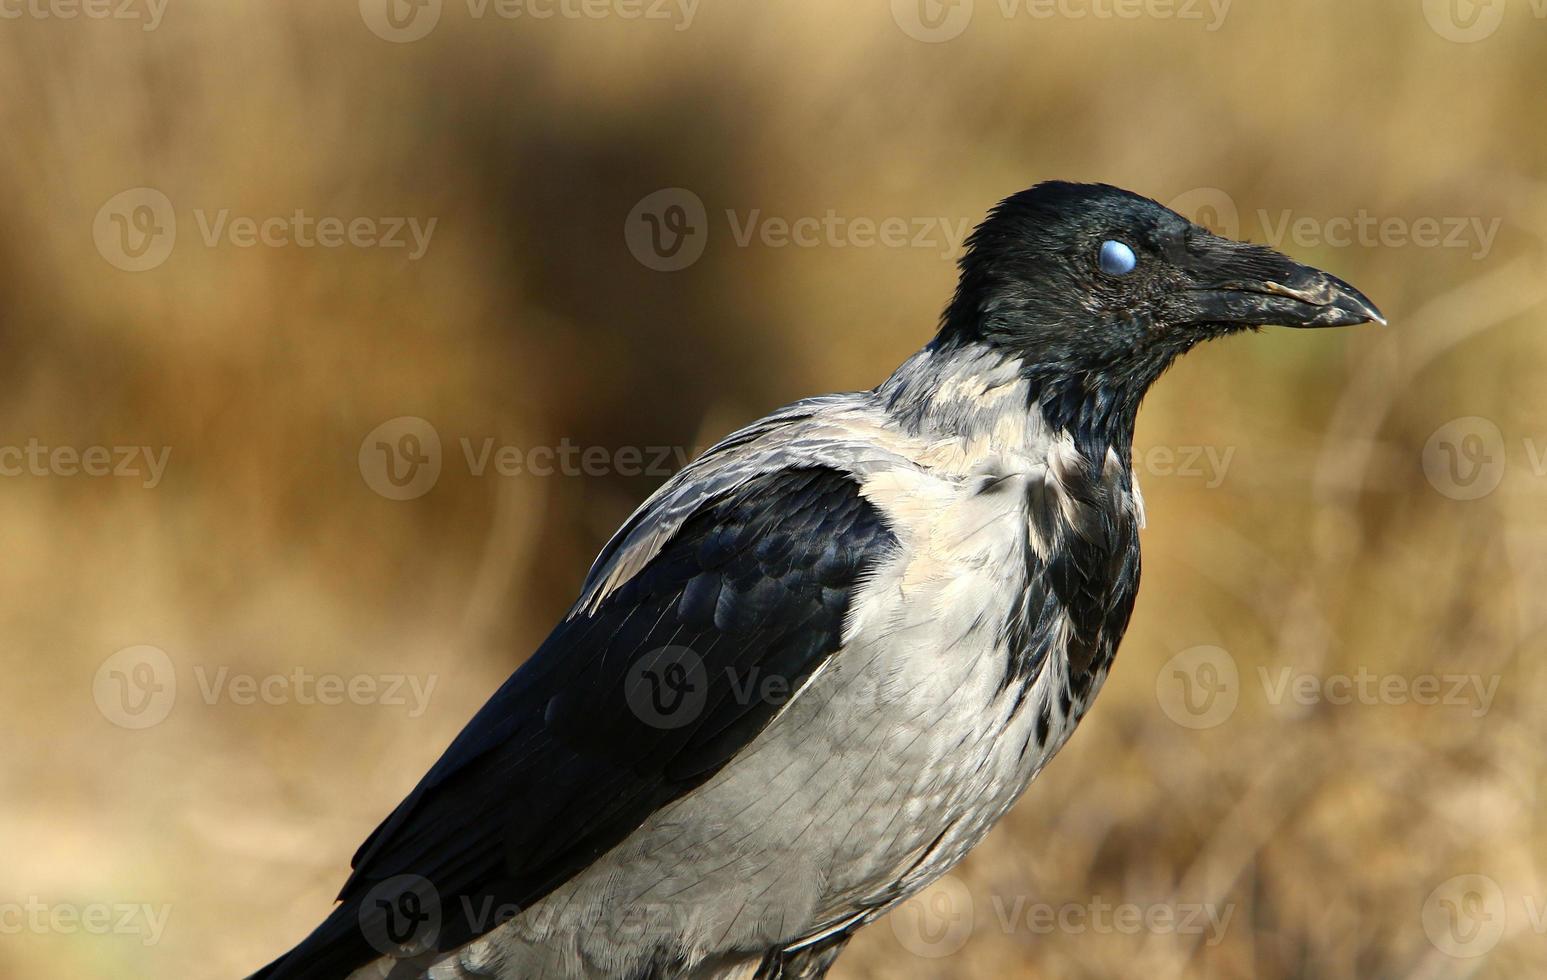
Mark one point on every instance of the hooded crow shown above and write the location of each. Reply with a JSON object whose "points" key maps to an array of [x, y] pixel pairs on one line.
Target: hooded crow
{"points": [[810, 672]]}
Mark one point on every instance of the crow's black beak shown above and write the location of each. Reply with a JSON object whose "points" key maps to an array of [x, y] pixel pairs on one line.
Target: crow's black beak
{"points": [[1252, 285]]}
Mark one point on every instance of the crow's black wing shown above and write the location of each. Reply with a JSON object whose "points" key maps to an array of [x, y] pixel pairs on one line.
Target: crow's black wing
{"points": [[624, 708]]}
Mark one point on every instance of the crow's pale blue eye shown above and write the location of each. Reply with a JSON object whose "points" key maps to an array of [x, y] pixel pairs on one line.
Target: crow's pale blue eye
{"points": [[1117, 259]]}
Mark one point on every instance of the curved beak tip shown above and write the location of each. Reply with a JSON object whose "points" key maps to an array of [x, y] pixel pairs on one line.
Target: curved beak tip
{"points": [[1359, 304], [1332, 301]]}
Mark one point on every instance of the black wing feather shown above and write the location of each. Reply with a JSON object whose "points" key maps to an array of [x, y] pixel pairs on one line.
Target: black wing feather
{"points": [[565, 760]]}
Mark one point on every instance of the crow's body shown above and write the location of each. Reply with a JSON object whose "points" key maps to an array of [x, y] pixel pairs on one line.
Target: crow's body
{"points": [[812, 671]]}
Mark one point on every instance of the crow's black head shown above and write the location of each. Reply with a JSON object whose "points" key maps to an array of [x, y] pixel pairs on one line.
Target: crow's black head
{"points": [[1097, 290]]}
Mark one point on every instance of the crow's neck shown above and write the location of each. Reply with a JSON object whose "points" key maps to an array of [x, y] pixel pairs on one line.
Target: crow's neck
{"points": [[965, 389]]}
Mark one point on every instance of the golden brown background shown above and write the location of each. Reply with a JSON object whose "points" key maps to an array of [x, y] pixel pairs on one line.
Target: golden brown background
{"points": [[1337, 542]]}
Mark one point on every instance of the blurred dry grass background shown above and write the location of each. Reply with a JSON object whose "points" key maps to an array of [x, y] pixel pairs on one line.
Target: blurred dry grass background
{"points": [[1322, 830]]}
